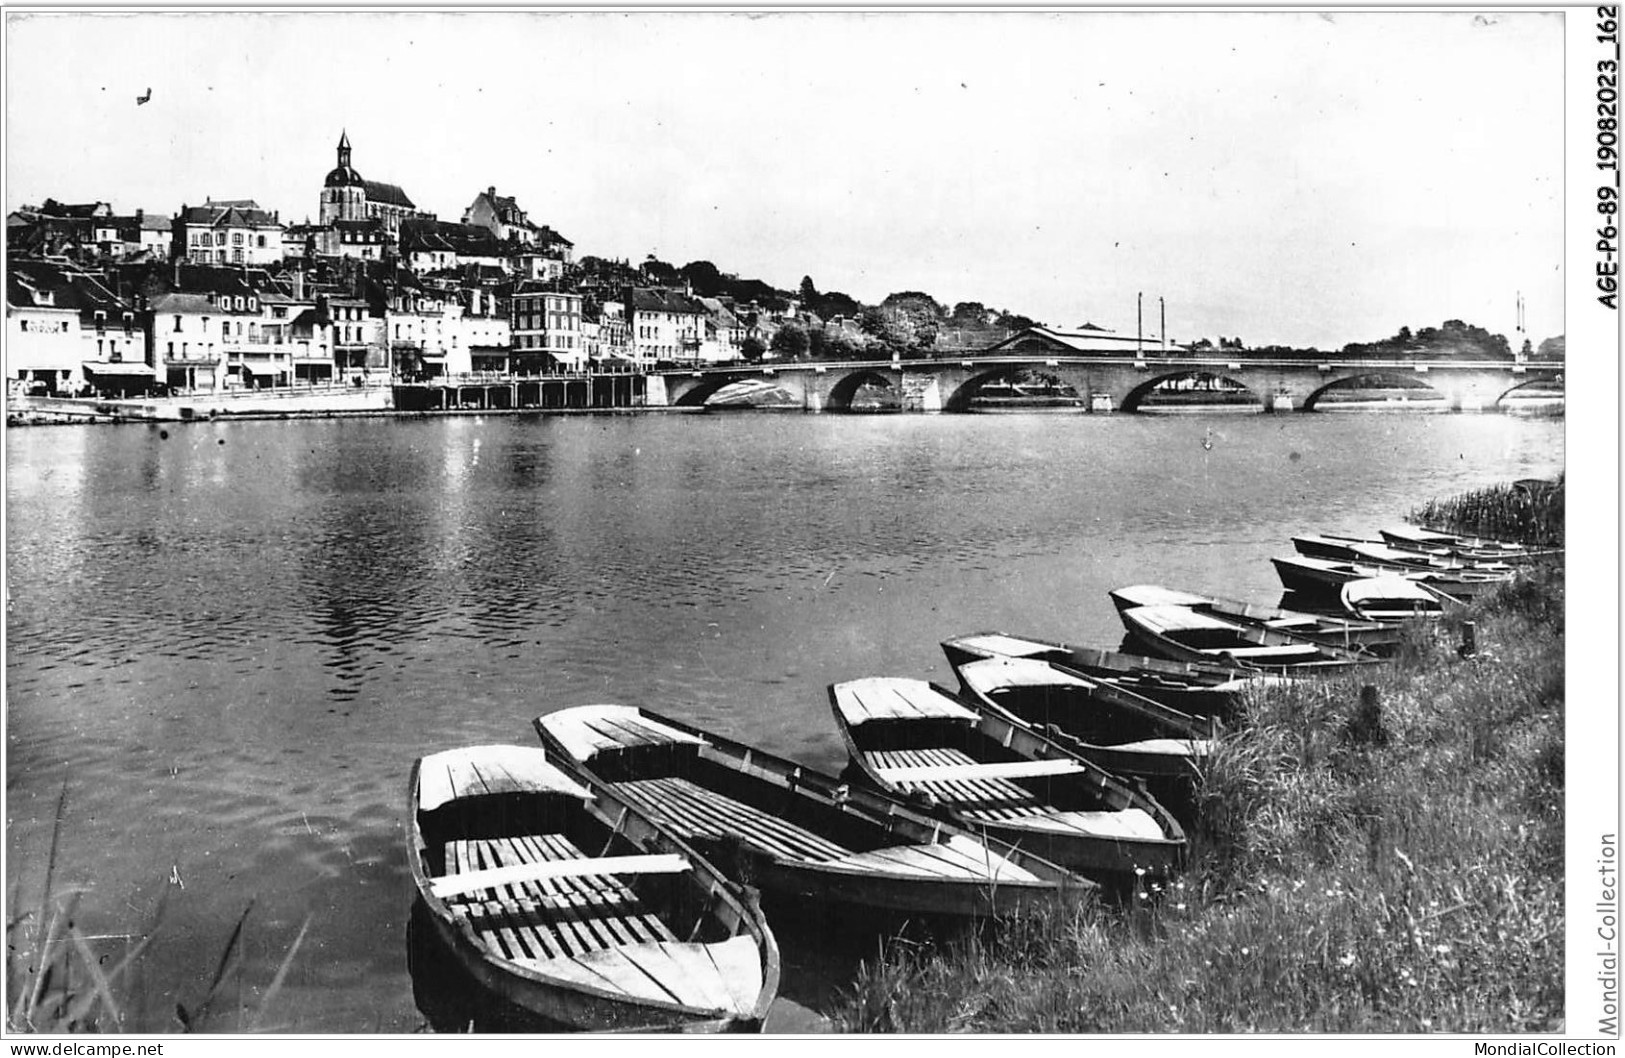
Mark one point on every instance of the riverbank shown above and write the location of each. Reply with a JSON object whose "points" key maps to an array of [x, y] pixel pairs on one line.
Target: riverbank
{"points": [[1356, 868], [1395, 870]]}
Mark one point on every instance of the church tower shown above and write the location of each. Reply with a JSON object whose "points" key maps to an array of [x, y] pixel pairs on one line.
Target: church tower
{"points": [[344, 194]]}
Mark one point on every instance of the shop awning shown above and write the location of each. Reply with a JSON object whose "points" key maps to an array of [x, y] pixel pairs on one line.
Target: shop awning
{"points": [[265, 369], [136, 370]]}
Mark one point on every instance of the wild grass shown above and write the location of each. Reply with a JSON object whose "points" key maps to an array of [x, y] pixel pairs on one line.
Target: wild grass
{"points": [[1386, 863], [57, 983], [1529, 511]]}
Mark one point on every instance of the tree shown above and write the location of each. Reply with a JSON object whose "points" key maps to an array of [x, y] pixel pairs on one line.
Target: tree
{"points": [[970, 313], [836, 304], [790, 342], [704, 277], [658, 271], [809, 293], [752, 349]]}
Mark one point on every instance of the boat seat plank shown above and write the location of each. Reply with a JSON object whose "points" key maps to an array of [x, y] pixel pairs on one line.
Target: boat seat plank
{"points": [[1015, 769], [663, 863], [1288, 650], [697, 812]]}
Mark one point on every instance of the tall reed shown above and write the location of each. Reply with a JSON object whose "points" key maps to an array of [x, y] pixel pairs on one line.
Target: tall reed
{"points": [[1529, 511]]}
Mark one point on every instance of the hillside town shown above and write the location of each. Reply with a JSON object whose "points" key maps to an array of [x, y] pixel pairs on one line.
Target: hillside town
{"points": [[227, 295]]}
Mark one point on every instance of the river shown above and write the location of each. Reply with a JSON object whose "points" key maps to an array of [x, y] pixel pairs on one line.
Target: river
{"points": [[229, 640]]}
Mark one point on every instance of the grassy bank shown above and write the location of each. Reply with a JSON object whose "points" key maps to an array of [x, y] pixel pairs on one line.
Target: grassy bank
{"points": [[1359, 865]]}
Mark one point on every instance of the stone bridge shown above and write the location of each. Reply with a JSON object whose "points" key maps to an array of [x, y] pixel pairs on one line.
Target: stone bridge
{"points": [[1105, 383]]}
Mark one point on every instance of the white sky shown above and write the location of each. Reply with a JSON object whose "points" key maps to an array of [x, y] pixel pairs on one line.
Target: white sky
{"points": [[1284, 177]]}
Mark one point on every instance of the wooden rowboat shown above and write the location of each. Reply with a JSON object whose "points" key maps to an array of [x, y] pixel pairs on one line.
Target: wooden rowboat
{"points": [[990, 772], [1184, 634], [1119, 730], [1354, 549], [570, 904], [793, 831], [1376, 637], [1325, 578], [1469, 548], [1198, 690], [1393, 599]]}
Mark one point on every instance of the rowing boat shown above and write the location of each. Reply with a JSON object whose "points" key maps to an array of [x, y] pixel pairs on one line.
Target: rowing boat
{"points": [[988, 771], [790, 830], [1353, 549], [1393, 599], [1199, 690], [1376, 637], [1470, 548], [573, 906], [1325, 578], [1184, 634], [1123, 732]]}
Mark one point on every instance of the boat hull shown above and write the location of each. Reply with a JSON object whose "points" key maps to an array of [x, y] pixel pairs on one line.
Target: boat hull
{"points": [[565, 951], [821, 828], [1325, 579]]}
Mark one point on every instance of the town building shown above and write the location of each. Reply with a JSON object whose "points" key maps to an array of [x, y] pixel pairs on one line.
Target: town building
{"points": [[111, 352], [501, 216], [724, 333], [666, 326], [234, 232], [359, 347], [547, 331]]}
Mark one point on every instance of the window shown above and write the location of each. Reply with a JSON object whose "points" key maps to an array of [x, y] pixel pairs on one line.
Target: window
{"points": [[239, 303], [236, 255], [251, 307], [237, 238], [205, 325], [177, 325], [262, 241], [171, 350]]}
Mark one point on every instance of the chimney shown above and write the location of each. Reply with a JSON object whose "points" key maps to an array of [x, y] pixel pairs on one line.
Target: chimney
{"points": [[139, 214], [492, 192]]}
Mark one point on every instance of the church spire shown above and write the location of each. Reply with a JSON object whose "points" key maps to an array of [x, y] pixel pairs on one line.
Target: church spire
{"points": [[344, 149]]}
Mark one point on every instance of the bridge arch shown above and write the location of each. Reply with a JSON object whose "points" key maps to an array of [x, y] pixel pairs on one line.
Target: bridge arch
{"points": [[961, 396], [1389, 382], [708, 386], [847, 387], [1534, 387], [1137, 396]]}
